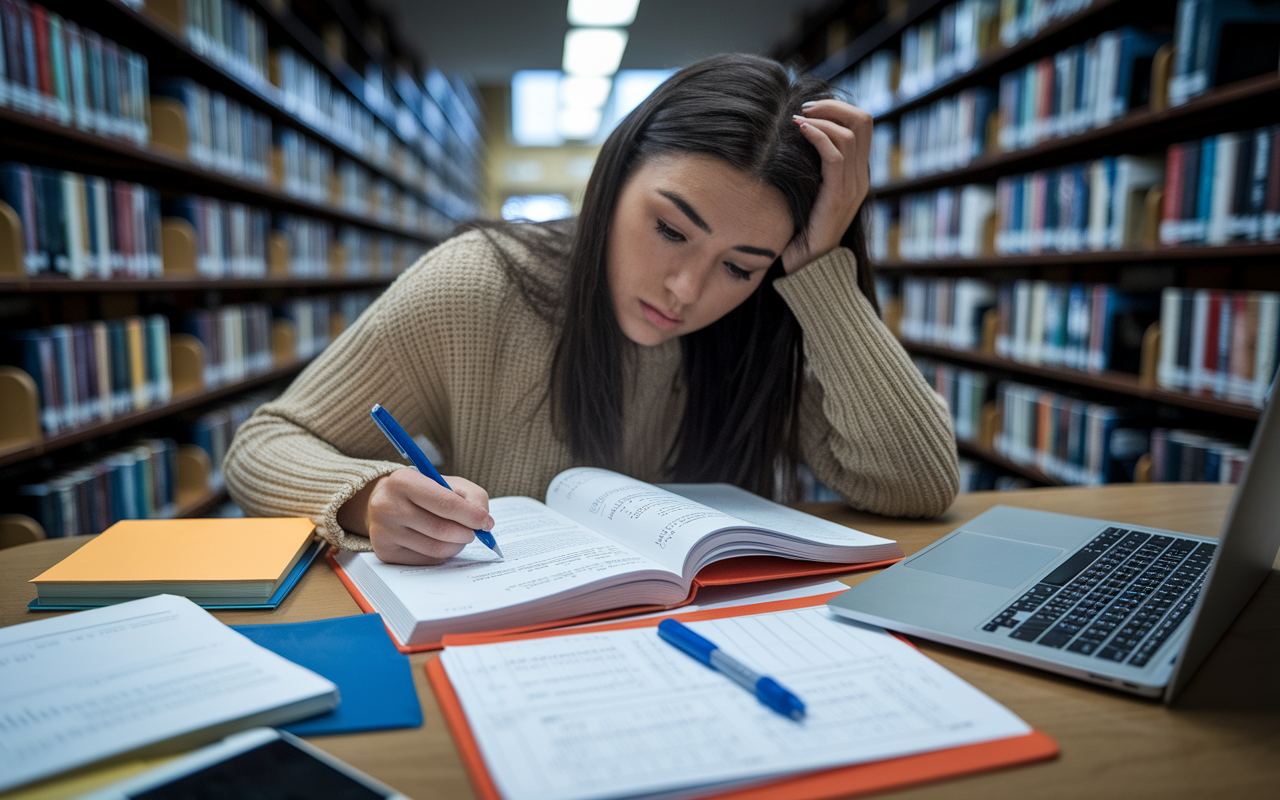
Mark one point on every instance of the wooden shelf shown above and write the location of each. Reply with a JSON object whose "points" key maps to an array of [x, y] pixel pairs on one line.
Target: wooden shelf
{"points": [[168, 51], [991, 456], [179, 403], [1269, 251], [1115, 382], [1140, 130], [203, 505], [71, 148], [64, 285]]}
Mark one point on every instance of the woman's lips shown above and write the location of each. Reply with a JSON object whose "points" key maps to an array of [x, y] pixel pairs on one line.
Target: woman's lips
{"points": [[659, 318]]}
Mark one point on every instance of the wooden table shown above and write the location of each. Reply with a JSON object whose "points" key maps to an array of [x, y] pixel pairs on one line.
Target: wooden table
{"points": [[1222, 738]]}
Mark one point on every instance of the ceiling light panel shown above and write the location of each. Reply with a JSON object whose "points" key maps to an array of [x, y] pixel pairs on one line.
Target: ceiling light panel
{"points": [[534, 99], [578, 123], [602, 13], [593, 52], [577, 91]]}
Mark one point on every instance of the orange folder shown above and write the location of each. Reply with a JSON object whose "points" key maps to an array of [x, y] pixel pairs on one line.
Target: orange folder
{"points": [[851, 781], [731, 572]]}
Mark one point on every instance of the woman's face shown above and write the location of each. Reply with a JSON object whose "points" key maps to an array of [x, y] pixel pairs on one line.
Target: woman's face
{"points": [[691, 239]]}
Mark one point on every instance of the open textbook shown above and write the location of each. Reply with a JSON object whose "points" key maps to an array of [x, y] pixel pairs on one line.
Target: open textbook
{"points": [[601, 542]]}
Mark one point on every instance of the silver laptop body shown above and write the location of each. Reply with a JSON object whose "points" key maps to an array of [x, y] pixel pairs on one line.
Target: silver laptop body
{"points": [[1053, 591]]}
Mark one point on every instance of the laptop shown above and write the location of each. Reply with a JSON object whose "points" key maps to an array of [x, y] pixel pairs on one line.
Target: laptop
{"points": [[1126, 606]]}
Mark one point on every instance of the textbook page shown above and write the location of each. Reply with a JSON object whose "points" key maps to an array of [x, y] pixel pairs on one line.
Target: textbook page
{"points": [[545, 555], [671, 528], [654, 522], [622, 713], [81, 687]]}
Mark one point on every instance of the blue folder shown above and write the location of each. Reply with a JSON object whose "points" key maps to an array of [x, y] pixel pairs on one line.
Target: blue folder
{"points": [[374, 680]]}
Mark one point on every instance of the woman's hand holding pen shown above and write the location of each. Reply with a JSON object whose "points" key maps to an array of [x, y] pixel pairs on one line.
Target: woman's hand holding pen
{"points": [[841, 134], [411, 519]]}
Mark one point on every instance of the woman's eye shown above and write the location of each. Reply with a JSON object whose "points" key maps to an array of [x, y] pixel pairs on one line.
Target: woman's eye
{"points": [[737, 271], [669, 232]]}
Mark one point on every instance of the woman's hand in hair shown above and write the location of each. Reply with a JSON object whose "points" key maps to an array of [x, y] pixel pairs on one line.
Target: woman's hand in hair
{"points": [[411, 519], [842, 136]]}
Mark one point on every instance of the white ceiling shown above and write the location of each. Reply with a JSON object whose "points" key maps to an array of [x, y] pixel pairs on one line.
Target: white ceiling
{"points": [[491, 39]]}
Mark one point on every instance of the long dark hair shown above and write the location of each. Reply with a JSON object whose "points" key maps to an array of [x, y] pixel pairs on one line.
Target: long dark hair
{"points": [[743, 372]]}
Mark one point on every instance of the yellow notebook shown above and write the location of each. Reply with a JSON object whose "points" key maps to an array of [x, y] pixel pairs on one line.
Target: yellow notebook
{"points": [[213, 561]]}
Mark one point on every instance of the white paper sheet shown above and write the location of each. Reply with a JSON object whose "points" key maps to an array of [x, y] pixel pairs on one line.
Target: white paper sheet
{"points": [[78, 688], [622, 713]]}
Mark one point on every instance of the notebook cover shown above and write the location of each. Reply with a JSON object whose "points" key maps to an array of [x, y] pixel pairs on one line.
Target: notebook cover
{"points": [[295, 575], [754, 569], [253, 549], [374, 681], [855, 780]]}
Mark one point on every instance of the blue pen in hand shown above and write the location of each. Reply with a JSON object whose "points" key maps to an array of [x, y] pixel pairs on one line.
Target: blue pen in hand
{"points": [[408, 448], [766, 690]]}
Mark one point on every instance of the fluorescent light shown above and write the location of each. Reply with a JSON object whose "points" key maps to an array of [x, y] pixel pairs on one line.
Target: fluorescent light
{"points": [[579, 91], [593, 51], [534, 98], [536, 207], [602, 13], [578, 123]]}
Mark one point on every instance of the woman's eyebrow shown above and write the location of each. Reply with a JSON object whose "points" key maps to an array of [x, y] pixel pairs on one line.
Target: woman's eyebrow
{"points": [[687, 209], [697, 219]]}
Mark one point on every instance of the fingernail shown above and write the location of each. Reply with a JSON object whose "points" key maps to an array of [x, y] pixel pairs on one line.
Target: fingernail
{"points": [[797, 118], [808, 105], [488, 523]]}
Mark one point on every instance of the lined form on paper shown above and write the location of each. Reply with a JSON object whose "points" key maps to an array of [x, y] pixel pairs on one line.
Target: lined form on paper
{"points": [[621, 713], [78, 688]]}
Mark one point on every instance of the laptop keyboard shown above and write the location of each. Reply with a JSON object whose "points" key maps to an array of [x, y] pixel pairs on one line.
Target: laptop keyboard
{"points": [[1118, 598]]}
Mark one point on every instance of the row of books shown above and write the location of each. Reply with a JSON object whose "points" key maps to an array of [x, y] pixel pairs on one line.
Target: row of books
{"points": [[944, 223], [943, 135], [53, 68], [83, 226], [1089, 327], [307, 92], [308, 244], [1097, 205], [213, 430], [365, 253], [94, 371], [1085, 86], [231, 238], [316, 320], [222, 134], [229, 34], [135, 482], [1223, 188], [1219, 343], [1207, 30], [945, 45], [1071, 440], [966, 392], [237, 341], [1195, 456]]}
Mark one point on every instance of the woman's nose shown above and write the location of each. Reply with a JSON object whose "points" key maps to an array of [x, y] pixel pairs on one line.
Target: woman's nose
{"points": [[686, 282]]}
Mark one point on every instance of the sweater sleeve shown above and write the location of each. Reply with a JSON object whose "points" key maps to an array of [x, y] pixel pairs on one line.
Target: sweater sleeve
{"points": [[871, 428], [307, 452]]}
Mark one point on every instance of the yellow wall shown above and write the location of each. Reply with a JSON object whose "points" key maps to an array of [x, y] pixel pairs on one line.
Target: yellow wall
{"points": [[529, 170]]}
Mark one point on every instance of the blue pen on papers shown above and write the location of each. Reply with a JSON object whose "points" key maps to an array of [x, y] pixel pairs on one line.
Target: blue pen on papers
{"points": [[408, 448], [766, 690]]}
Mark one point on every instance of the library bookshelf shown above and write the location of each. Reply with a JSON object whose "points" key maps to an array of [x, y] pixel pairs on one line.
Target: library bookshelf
{"points": [[286, 162], [905, 65]]}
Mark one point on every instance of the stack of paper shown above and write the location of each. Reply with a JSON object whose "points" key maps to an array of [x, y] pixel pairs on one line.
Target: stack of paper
{"points": [[154, 672]]}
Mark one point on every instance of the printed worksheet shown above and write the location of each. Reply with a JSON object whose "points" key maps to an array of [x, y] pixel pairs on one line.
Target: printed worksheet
{"points": [[78, 688], [623, 713]]}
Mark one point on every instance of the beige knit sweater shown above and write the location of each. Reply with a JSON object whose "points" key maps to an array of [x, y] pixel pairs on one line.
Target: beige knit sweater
{"points": [[455, 354]]}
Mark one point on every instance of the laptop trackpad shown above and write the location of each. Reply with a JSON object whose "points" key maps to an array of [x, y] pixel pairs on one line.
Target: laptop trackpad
{"points": [[985, 559]]}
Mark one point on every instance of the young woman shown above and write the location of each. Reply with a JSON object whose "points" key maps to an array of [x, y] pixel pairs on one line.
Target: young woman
{"points": [[699, 321]]}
